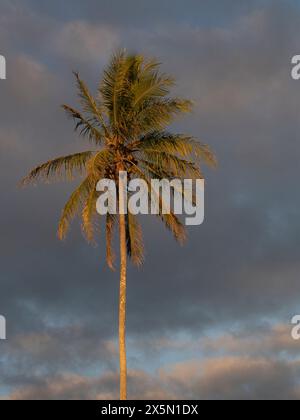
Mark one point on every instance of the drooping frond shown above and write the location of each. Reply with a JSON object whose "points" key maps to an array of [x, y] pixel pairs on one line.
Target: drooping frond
{"points": [[173, 224], [74, 204], [88, 216], [111, 220], [204, 153], [100, 163], [170, 220], [85, 126], [66, 166], [164, 165], [134, 238], [97, 167]]}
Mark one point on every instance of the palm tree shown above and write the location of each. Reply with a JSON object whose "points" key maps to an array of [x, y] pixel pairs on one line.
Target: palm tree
{"points": [[126, 123]]}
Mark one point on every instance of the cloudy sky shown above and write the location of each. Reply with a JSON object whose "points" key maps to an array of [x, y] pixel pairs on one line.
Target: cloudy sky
{"points": [[211, 320]]}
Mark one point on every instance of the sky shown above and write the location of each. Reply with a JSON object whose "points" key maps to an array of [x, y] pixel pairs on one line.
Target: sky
{"points": [[210, 320]]}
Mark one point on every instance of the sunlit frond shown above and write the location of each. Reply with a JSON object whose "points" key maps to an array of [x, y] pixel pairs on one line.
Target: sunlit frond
{"points": [[100, 163], [160, 164], [156, 114], [85, 126], [150, 85], [90, 105], [88, 216], [173, 224], [72, 207], [114, 85], [171, 221], [66, 166], [205, 154], [178, 144]]}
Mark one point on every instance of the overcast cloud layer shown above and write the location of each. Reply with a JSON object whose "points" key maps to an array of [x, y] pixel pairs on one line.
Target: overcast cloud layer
{"points": [[210, 320]]}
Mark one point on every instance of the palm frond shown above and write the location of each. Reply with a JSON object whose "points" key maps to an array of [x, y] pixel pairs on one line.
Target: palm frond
{"points": [[150, 85], [178, 144], [73, 205], [100, 163], [170, 220], [164, 165], [173, 224], [114, 85], [66, 166], [85, 126], [88, 216], [90, 105], [156, 114], [204, 153]]}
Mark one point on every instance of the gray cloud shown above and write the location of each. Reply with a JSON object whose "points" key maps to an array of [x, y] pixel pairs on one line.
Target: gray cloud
{"points": [[241, 265], [244, 364], [223, 379]]}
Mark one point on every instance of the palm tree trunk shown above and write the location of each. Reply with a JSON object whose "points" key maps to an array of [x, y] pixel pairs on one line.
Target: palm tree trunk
{"points": [[122, 302]]}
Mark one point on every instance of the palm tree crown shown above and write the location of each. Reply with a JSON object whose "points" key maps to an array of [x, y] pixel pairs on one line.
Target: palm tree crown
{"points": [[126, 122]]}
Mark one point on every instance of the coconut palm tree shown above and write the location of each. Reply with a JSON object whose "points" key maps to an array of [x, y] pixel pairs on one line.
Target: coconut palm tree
{"points": [[126, 124]]}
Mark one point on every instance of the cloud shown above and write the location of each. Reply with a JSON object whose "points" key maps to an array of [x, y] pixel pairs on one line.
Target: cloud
{"points": [[30, 81], [68, 387], [81, 41], [234, 378], [241, 266], [251, 364], [214, 379]]}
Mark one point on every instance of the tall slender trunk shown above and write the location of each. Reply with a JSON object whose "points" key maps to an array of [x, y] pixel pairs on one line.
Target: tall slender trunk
{"points": [[122, 302]]}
